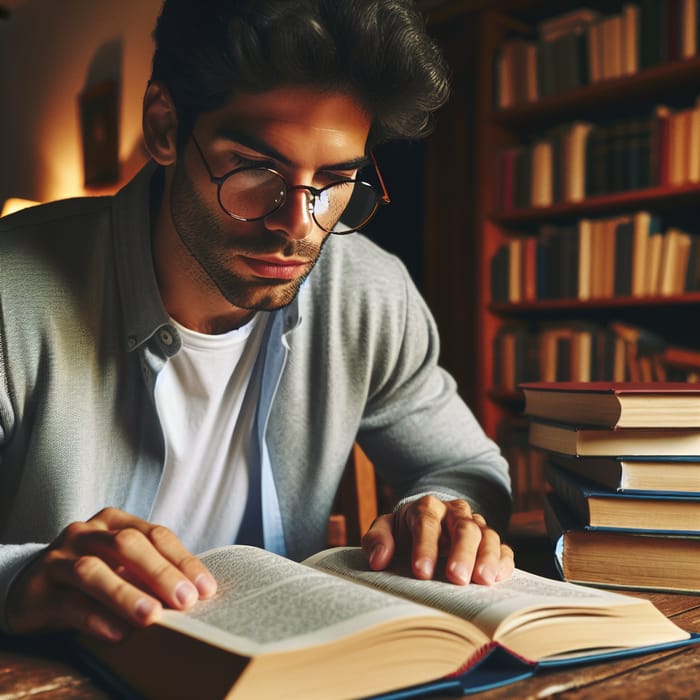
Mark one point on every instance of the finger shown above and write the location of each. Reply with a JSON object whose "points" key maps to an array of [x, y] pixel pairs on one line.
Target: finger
{"points": [[116, 519], [66, 608], [465, 531], [122, 568], [133, 553], [101, 625], [169, 545], [48, 596], [507, 563], [93, 579], [88, 617], [166, 543], [488, 558], [423, 520], [378, 543]]}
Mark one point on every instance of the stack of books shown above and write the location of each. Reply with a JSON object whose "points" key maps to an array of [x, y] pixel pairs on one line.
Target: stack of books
{"points": [[623, 464]]}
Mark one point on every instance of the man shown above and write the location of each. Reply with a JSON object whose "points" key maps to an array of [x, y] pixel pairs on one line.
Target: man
{"points": [[186, 354]]}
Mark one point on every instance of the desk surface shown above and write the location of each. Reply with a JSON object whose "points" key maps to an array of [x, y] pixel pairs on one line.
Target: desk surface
{"points": [[27, 672]]}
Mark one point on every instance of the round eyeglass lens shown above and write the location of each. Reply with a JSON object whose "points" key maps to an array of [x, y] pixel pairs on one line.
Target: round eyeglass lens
{"points": [[347, 206], [252, 194]]}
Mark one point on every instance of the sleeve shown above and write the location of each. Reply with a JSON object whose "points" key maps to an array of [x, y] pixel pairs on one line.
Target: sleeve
{"points": [[13, 558], [416, 429]]}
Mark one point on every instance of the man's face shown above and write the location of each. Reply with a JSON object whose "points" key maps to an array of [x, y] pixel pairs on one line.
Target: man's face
{"points": [[311, 138]]}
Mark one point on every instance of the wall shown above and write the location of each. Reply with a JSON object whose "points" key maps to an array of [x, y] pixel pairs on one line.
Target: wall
{"points": [[50, 51]]}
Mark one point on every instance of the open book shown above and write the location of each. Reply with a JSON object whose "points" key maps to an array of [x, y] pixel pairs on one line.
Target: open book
{"points": [[278, 628]]}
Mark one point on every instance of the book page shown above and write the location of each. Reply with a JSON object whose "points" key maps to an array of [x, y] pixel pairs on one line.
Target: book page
{"points": [[268, 603], [485, 606]]}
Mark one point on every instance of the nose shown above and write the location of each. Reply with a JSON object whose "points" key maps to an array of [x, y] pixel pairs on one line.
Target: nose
{"points": [[294, 216]]}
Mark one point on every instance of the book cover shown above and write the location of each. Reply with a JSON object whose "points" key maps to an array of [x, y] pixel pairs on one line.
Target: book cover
{"points": [[599, 508], [529, 273], [546, 77], [621, 559], [575, 161], [650, 52], [692, 278], [679, 475], [594, 52], [615, 404], [624, 247], [689, 28], [631, 17], [660, 145], [643, 224], [621, 442], [673, 26], [674, 262]]}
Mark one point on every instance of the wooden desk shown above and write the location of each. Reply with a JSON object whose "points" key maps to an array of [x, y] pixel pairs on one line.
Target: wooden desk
{"points": [[42, 674], [672, 675]]}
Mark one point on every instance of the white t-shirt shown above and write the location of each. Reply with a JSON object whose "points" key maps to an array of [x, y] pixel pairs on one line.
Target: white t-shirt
{"points": [[207, 397]]}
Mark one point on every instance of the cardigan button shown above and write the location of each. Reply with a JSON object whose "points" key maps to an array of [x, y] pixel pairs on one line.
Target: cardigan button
{"points": [[166, 337]]}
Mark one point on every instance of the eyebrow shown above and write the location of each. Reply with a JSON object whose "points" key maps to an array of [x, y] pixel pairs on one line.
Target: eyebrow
{"points": [[250, 141]]}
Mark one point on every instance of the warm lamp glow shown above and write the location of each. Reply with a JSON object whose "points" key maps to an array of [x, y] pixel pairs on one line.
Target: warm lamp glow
{"points": [[14, 204]]}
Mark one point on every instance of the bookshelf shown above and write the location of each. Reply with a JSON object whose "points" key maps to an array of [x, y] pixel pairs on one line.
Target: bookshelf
{"points": [[466, 224]]}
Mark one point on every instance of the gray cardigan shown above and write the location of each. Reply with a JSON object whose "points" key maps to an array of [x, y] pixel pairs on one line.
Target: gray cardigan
{"points": [[83, 334]]}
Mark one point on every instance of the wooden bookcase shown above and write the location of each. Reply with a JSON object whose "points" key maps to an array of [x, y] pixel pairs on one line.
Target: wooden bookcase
{"points": [[464, 226]]}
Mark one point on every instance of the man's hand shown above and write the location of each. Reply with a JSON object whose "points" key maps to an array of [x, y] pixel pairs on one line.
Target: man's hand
{"points": [[105, 575], [430, 528]]}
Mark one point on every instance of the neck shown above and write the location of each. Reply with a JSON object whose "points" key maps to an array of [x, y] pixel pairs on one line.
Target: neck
{"points": [[212, 325], [188, 294]]}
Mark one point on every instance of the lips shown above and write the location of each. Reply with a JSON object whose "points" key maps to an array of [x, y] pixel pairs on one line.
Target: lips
{"points": [[275, 268]]}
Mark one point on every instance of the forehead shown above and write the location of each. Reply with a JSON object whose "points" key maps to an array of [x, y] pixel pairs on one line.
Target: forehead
{"points": [[305, 124]]}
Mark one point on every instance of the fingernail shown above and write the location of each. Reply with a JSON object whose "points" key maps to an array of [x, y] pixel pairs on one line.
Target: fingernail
{"points": [[459, 571], [186, 594], [145, 607], [206, 585], [424, 567], [106, 629], [488, 574], [376, 554], [115, 634]]}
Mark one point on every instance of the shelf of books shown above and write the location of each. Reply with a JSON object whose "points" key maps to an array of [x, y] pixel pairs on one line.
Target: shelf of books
{"points": [[590, 243]]}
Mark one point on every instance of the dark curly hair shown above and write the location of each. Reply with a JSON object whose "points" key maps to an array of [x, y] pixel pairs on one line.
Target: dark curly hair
{"points": [[378, 51]]}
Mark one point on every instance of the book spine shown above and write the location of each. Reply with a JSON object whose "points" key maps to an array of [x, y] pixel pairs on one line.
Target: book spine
{"points": [[568, 492]]}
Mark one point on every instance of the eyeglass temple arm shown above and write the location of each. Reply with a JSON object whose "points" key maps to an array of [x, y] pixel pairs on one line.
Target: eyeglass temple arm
{"points": [[385, 193]]}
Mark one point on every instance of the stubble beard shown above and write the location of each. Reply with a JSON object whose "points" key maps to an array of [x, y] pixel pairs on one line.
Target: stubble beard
{"points": [[211, 245]]}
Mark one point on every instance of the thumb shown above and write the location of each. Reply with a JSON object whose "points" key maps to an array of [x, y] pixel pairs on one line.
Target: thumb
{"points": [[378, 543]]}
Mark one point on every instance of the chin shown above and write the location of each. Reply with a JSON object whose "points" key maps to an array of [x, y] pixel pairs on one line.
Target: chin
{"points": [[268, 299]]}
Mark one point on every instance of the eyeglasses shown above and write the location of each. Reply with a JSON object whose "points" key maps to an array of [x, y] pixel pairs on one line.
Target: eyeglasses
{"points": [[251, 194]]}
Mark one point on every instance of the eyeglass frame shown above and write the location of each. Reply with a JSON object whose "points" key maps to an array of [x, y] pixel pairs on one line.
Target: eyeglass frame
{"points": [[382, 197]]}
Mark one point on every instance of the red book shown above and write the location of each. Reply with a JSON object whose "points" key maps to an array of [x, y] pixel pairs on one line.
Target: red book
{"points": [[529, 276]]}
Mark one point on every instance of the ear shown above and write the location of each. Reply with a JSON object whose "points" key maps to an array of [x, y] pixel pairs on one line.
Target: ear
{"points": [[160, 124]]}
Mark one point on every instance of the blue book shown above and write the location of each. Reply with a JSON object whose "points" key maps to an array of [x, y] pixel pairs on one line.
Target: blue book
{"points": [[600, 508], [331, 628], [637, 475], [621, 559]]}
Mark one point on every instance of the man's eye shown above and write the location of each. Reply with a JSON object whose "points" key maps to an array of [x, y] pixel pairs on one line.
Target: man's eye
{"points": [[332, 178], [237, 161]]}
